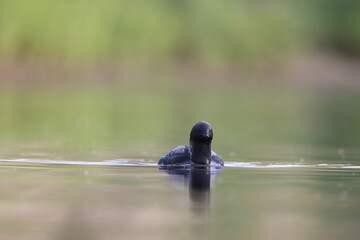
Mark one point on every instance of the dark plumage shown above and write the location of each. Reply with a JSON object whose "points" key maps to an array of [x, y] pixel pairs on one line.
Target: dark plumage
{"points": [[199, 151]]}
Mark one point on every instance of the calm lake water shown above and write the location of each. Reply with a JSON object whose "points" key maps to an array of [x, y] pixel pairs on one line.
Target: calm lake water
{"points": [[301, 195], [82, 164]]}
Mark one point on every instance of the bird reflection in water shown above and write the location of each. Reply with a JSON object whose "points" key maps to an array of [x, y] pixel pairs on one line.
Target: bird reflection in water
{"points": [[199, 180]]}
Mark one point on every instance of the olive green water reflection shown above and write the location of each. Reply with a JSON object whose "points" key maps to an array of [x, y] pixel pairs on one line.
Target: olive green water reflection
{"points": [[62, 202], [45, 201], [94, 118]]}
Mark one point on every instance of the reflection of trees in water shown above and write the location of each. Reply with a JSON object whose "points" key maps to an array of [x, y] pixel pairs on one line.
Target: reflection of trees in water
{"points": [[337, 118]]}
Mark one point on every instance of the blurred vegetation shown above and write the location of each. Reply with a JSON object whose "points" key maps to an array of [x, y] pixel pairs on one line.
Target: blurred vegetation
{"points": [[219, 31], [160, 107]]}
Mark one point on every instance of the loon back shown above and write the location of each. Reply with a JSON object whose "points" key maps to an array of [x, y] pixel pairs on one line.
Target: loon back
{"points": [[181, 155]]}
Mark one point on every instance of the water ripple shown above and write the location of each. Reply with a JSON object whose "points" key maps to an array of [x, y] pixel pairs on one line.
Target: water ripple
{"points": [[115, 162], [143, 163], [286, 165]]}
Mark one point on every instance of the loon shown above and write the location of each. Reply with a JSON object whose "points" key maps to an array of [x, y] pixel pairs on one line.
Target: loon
{"points": [[198, 153]]}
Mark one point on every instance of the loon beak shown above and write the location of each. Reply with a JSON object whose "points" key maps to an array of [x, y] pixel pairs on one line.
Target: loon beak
{"points": [[206, 135]]}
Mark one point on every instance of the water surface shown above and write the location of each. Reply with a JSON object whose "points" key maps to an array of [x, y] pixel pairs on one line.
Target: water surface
{"points": [[133, 199], [81, 163]]}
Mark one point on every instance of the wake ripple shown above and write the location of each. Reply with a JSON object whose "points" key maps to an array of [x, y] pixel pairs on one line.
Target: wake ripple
{"points": [[143, 163]]}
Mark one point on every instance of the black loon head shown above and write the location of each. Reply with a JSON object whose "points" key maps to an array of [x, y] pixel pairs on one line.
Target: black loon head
{"points": [[200, 142], [201, 133]]}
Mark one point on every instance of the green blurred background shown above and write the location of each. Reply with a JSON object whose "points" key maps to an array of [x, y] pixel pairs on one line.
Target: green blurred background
{"points": [[112, 74]]}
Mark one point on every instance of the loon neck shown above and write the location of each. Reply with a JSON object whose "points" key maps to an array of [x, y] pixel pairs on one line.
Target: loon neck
{"points": [[201, 153]]}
